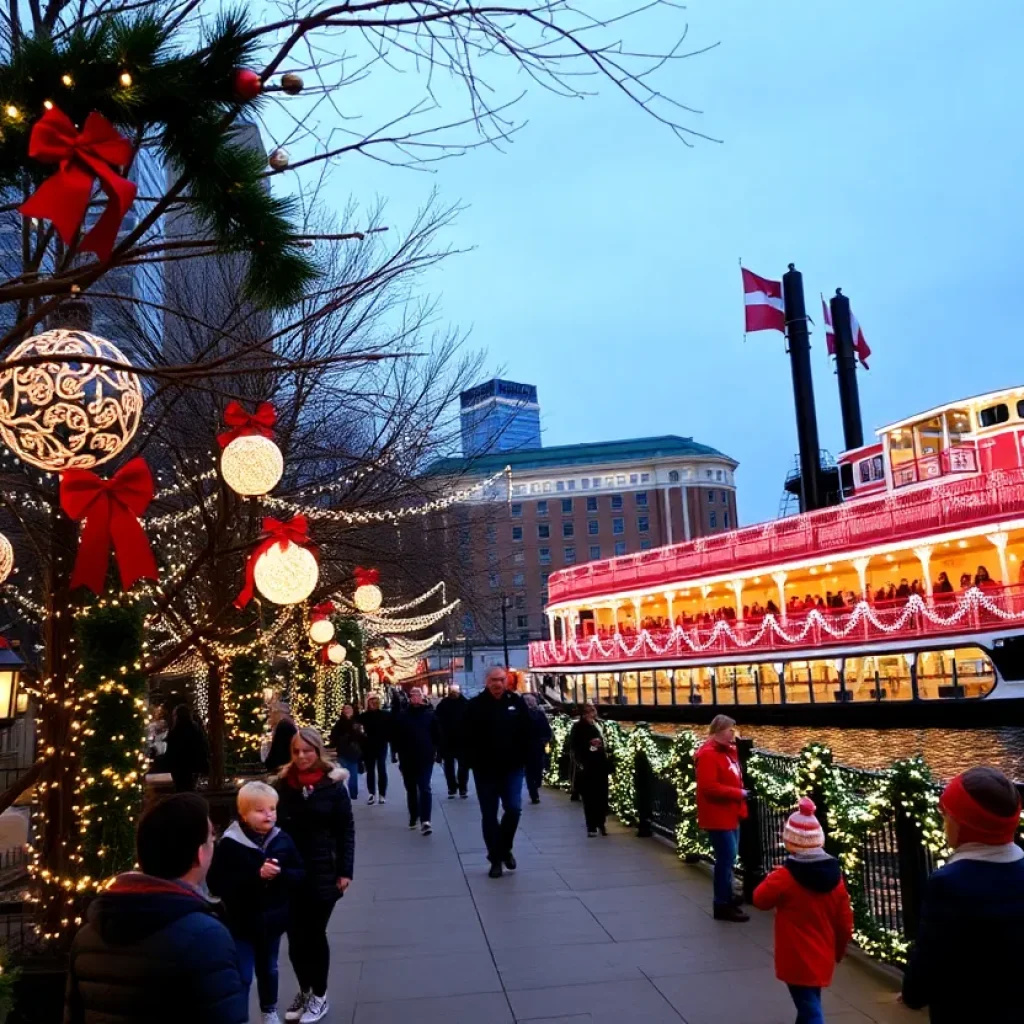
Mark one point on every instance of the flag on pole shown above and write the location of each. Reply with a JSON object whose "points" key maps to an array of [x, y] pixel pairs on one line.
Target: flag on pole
{"points": [[830, 333], [763, 303], [860, 346]]}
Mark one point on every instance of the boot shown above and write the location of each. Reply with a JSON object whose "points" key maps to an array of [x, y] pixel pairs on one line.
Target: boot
{"points": [[727, 912]]}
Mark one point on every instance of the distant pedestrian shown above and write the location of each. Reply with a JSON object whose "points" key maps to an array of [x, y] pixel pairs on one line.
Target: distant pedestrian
{"points": [[813, 916], [498, 734], [346, 740], [416, 739], [187, 755], [376, 725], [316, 811], [970, 940], [153, 950], [540, 737], [283, 728], [451, 717], [593, 766], [721, 806], [255, 870]]}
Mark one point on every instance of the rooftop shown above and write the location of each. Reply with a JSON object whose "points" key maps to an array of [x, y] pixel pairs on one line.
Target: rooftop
{"points": [[637, 449]]}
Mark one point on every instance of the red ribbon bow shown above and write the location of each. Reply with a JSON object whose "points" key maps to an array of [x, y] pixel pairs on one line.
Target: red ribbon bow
{"points": [[365, 577], [321, 611], [274, 532], [111, 510], [244, 424], [84, 156]]}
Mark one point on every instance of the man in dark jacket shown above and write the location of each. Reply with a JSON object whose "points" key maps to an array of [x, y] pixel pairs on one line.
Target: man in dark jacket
{"points": [[415, 739], [153, 950], [540, 737], [498, 741], [451, 717], [284, 729], [970, 941]]}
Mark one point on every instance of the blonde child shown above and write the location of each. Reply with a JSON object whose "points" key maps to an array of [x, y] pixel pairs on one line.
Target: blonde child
{"points": [[255, 867]]}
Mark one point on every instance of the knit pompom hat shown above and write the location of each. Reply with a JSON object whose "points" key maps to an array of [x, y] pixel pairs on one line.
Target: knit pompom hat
{"points": [[803, 830]]}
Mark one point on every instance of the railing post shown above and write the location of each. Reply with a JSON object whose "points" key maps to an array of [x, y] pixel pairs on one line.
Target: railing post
{"points": [[912, 862], [750, 856], [643, 778]]}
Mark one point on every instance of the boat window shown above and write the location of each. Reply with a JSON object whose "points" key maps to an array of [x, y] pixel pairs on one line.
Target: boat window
{"points": [[646, 687], [811, 681], [664, 685], [846, 479], [963, 672], [901, 456], [879, 678], [994, 415], [629, 688], [929, 437], [958, 423]]}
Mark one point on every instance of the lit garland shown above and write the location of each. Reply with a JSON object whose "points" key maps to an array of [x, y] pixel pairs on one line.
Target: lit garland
{"points": [[245, 715]]}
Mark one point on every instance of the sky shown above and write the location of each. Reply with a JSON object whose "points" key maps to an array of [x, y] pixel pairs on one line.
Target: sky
{"points": [[877, 146]]}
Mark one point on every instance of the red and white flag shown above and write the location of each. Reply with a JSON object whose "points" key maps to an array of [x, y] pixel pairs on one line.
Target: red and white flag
{"points": [[860, 346], [830, 333], [763, 302]]}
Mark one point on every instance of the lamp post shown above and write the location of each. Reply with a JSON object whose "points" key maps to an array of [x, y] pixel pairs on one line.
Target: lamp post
{"points": [[504, 626], [10, 675]]}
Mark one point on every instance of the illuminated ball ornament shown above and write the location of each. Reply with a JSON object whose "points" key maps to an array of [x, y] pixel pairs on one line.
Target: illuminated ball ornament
{"points": [[286, 574], [252, 465], [368, 597], [336, 654], [64, 413], [321, 631], [6, 558]]}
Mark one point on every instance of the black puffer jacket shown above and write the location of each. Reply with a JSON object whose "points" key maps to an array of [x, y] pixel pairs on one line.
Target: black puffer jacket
{"points": [[347, 739], [451, 716], [416, 737], [319, 820], [280, 752], [498, 732], [377, 728], [153, 951]]}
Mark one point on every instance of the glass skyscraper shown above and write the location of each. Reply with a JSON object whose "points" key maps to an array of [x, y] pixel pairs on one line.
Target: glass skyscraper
{"points": [[499, 416]]}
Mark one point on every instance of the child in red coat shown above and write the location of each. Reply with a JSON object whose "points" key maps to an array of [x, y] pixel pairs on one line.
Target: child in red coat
{"points": [[813, 920]]}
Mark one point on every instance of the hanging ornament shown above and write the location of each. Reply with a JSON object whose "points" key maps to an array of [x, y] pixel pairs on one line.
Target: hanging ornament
{"points": [[96, 152], [279, 159], [336, 654], [251, 462], [292, 83], [321, 631], [65, 413], [6, 558], [282, 566], [246, 85], [367, 597]]}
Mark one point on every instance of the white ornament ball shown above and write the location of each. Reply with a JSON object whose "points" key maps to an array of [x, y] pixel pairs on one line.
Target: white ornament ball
{"points": [[286, 575], [336, 654], [279, 159], [368, 597], [252, 465], [64, 413], [6, 558], [321, 631]]}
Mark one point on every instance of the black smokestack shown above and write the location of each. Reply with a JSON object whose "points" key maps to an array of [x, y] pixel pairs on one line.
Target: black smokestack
{"points": [[846, 371]]}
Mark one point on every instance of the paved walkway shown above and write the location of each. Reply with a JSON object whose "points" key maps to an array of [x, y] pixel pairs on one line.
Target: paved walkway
{"points": [[587, 931]]}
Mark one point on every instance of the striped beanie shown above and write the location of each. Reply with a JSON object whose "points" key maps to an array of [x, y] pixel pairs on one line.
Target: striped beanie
{"points": [[803, 830]]}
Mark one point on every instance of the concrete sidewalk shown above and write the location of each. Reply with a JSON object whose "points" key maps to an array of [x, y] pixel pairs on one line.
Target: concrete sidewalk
{"points": [[587, 931]]}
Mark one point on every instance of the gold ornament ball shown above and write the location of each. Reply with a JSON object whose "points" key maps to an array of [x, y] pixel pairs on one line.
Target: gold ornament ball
{"points": [[286, 575], [279, 159], [6, 558], [321, 631], [336, 654], [252, 465], [368, 597], [292, 83], [63, 413]]}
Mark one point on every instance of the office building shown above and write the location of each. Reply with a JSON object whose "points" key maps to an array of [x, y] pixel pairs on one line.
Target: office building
{"points": [[499, 416]]}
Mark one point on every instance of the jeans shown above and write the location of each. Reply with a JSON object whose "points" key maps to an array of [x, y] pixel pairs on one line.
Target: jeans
{"points": [[260, 958], [308, 949], [417, 791], [458, 779], [377, 768], [508, 789], [725, 843], [534, 772], [352, 767], [808, 1004]]}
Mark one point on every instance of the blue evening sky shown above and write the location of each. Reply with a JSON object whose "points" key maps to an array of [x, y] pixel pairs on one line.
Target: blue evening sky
{"points": [[876, 145]]}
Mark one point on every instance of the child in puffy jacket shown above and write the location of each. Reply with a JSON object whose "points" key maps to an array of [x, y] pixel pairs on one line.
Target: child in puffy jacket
{"points": [[813, 916]]}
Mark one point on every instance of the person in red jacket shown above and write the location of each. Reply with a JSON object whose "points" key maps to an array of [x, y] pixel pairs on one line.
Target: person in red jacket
{"points": [[721, 806], [813, 916]]}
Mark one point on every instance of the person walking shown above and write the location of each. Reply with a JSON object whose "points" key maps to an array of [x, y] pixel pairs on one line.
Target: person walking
{"points": [[187, 754], [346, 739], [498, 738], [813, 916], [153, 949], [376, 725], [721, 806], [536, 757], [451, 718], [283, 728], [970, 939], [416, 740], [586, 741], [315, 809]]}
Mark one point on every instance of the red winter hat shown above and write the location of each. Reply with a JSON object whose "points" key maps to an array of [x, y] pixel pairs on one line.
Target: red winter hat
{"points": [[977, 823], [803, 830]]}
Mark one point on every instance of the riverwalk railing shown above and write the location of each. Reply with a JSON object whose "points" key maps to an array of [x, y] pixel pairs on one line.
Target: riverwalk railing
{"points": [[885, 827]]}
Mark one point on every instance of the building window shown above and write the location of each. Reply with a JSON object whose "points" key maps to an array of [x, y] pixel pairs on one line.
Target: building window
{"points": [[645, 478], [714, 520], [673, 476], [619, 525], [543, 530], [520, 601], [519, 558], [535, 488], [585, 483], [645, 545], [570, 555], [560, 486], [544, 556], [620, 548], [567, 506], [725, 520], [544, 577], [492, 533], [517, 510], [522, 621], [492, 557], [711, 497], [591, 504], [634, 478], [542, 508], [718, 474], [616, 502], [643, 524], [571, 485], [620, 479], [641, 499], [593, 527], [493, 581], [518, 580], [517, 533], [596, 482], [595, 552], [519, 489], [568, 530]]}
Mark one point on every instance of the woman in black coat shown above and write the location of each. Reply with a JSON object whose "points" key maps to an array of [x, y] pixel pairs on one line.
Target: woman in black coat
{"points": [[590, 757], [377, 734], [314, 808], [187, 753]]}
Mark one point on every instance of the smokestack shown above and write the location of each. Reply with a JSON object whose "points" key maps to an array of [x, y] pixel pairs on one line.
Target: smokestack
{"points": [[846, 371]]}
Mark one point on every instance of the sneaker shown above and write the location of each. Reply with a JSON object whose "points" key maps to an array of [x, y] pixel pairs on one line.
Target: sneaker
{"points": [[727, 912], [465, 796], [591, 833], [298, 1007], [495, 871], [382, 801], [427, 828], [412, 823], [510, 861], [603, 830], [270, 1017], [316, 1009], [372, 800], [452, 795]]}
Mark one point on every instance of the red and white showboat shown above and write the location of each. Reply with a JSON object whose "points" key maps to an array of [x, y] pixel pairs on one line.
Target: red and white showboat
{"points": [[903, 605]]}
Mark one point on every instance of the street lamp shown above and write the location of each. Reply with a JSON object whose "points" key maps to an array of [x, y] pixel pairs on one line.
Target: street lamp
{"points": [[10, 675]]}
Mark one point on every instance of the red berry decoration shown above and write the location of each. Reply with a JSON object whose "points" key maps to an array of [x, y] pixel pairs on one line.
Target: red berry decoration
{"points": [[247, 84]]}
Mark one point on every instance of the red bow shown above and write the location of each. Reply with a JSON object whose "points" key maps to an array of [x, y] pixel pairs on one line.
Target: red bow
{"points": [[84, 156], [274, 532], [111, 510], [365, 577], [321, 611], [244, 424]]}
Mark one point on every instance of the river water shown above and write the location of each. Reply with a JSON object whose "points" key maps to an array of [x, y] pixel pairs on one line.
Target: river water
{"points": [[947, 751]]}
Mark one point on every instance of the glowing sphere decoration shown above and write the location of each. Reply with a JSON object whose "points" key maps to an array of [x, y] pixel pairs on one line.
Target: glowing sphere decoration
{"points": [[286, 575], [321, 631], [336, 654], [63, 413], [252, 465], [6, 558], [368, 597]]}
